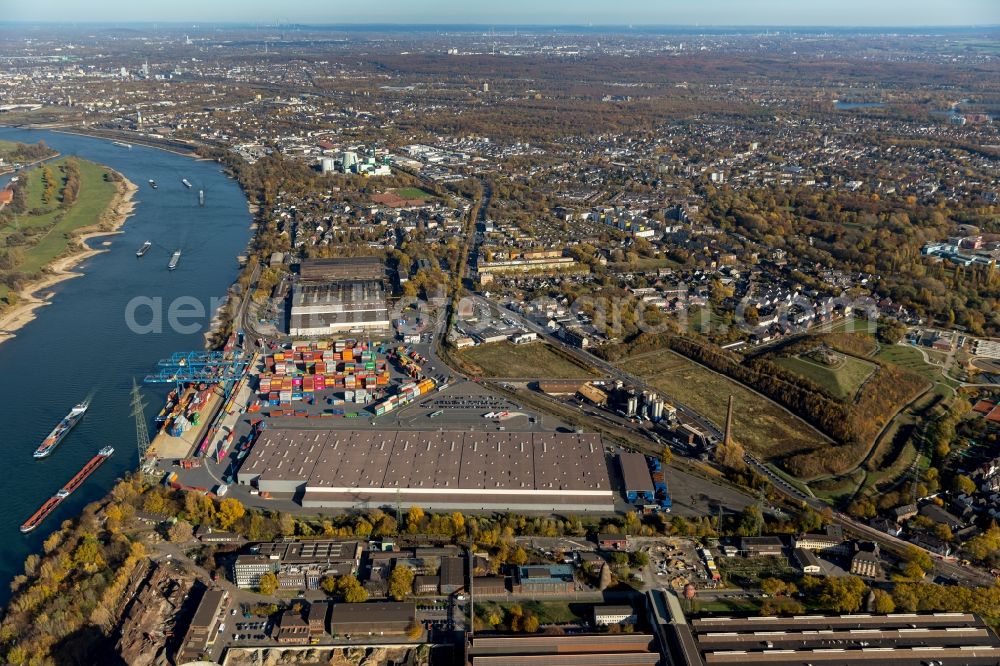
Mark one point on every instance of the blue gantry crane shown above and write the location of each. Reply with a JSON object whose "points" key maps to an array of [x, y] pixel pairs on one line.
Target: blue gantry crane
{"points": [[209, 367]]}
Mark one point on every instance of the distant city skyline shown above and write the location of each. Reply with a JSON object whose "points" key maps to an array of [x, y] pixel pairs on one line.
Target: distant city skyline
{"points": [[799, 13]]}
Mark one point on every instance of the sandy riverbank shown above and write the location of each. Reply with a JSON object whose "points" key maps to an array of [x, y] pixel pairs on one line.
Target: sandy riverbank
{"points": [[30, 298]]}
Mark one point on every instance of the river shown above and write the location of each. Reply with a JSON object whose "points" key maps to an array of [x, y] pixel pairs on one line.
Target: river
{"points": [[81, 345]]}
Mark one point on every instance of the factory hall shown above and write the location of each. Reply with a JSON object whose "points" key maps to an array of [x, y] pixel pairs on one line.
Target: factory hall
{"points": [[336, 296]]}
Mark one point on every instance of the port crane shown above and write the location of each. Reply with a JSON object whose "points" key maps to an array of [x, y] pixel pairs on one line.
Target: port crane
{"points": [[209, 367]]}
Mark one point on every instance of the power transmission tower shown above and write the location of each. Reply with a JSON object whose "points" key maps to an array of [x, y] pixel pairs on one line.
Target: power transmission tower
{"points": [[141, 432], [399, 517], [915, 467], [760, 512]]}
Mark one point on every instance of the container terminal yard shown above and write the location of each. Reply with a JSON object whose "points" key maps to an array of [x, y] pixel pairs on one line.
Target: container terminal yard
{"points": [[342, 424]]}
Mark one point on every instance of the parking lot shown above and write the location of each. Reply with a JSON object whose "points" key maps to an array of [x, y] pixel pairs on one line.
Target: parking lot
{"points": [[252, 630]]}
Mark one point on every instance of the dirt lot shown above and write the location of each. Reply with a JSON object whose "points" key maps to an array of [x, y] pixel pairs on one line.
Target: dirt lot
{"points": [[535, 361]]}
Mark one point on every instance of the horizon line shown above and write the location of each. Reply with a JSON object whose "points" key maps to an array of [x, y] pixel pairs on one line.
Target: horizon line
{"points": [[626, 26]]}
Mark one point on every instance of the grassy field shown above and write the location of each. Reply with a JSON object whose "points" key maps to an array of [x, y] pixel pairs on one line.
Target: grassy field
{"points": [[761, 425], [896, 467], [95, 195], [414, 193], [547, 612], [537, 360], [852, 325], [705, 320], [835, 488], [726, 605], [910, 359], [6, 149], [644, 264], [841, 382]]}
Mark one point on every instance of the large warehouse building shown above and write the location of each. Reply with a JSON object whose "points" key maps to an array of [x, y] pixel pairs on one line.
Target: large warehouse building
{"points": [[335, 296], [341, 307], [493, 471], [900, 639]]}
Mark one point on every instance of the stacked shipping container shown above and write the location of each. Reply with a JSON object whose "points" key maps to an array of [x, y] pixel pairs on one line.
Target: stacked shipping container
{"points": [[300, 373], [407, 393]]}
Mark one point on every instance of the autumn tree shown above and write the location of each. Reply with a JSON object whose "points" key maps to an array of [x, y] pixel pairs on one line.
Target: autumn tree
{"points": [[230, 510], [199, 508], [347, 587], [414, 519], [964, 484], [414, 631], [883, 602], [776, 587], [918, 557], [401, 582], [985, 544], [11, 258], [730, 455], [286, 524], [751, 521], [180, 532], [843, 594], [530, 624], [268, 583]]}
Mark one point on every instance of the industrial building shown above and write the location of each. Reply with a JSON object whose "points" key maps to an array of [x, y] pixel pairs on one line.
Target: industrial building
{"points": [[452, 576], [560, 386], [338, 270], [292, 628], [572, 650], [614, 614], [501, 471], [638, 482], [343, 307], [543, 579], [298, 565], [203, 630], [830, 541], [764, 546], [807, 561], [336, 296], [594, 394], [383, 618], [643, 481], [901, 639], [316, 618]]}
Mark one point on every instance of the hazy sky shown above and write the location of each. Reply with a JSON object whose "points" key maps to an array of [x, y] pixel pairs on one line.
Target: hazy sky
{"points": [[579, 12]]}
